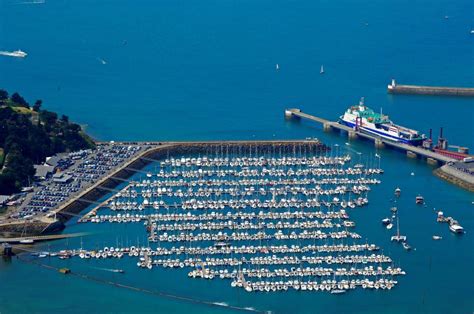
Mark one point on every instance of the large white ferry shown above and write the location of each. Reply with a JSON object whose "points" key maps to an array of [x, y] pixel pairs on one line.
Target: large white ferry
{"points": [[366, 120], [16, 53]]}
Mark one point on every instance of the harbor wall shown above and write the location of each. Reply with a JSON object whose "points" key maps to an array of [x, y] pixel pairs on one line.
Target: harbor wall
{"points": [[17, 228], [455, 176], [431, 90]]}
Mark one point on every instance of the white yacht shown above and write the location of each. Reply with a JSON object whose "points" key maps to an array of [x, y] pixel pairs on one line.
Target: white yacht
{"points": [[17, 53], [456, 228], [398, 237]]}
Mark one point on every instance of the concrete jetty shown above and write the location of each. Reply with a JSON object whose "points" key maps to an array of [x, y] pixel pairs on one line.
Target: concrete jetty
{"points": [[395, 88], [459, 173], [411, 151], [40, 238]]}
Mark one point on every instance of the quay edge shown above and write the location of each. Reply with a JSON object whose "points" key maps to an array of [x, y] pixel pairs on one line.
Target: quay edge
{"points": [[456, 177]]}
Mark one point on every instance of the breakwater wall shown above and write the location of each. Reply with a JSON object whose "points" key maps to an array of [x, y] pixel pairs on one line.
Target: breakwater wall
{"points": [[157, 151], [430, 90], [455, 176]]}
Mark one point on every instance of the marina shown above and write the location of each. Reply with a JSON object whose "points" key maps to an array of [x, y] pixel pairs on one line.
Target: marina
{"points": [[265, 223], [183, 81]]}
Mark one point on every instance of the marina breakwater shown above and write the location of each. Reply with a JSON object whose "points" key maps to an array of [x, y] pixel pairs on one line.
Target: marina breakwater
{"points": [[54, 220], [395, 88], [456, 176]]}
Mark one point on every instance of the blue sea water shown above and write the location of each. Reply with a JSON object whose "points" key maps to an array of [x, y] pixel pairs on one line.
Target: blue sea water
{"points": [[195, 70]]}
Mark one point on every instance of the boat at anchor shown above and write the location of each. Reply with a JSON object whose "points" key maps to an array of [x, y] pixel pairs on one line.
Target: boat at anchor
{"points": [[398, 237]]}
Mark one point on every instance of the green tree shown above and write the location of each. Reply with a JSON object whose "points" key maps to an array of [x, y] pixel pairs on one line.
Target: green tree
{"points": [[18, 100], [7, 183], [25, 144], [37, 105], [3, 95], [47, 117]]}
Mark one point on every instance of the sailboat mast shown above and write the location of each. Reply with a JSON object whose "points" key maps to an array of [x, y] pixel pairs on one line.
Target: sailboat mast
{"points": [[398, 227]]}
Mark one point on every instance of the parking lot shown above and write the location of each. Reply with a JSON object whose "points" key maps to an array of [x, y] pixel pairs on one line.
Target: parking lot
{"points": [[81, 169]]}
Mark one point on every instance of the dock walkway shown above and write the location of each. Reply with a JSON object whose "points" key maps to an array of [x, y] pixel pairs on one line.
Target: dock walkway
{"points": [[40, 238]]}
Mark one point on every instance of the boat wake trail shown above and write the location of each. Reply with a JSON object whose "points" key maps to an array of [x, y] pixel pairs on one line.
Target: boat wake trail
{"points": [[146, 291], [109, 269], [33, 2]]}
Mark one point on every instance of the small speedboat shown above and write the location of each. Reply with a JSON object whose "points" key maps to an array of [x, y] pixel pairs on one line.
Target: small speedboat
{"points": [[386, 221], [456, 228], [436, 237], [406, 246], [389, 226], [398, 192], [120, 271], [17, 53], [338, 291], [419, 200]]}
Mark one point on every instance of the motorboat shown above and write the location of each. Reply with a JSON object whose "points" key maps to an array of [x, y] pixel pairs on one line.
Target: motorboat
{"points": [[419, 200], [26, 241], [17, 53], [456, 228]]}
